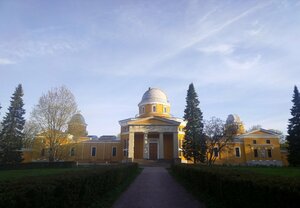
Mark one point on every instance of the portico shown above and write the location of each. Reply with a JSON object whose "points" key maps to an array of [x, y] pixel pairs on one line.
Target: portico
{"points": [[153, 142], [153, 134]]}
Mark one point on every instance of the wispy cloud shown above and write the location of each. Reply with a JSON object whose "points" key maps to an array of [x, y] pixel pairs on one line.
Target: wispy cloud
{"points": [[223, 49], [5, 61], [36, 48]]}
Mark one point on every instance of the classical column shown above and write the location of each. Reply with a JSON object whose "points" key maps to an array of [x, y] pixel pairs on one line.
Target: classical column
{"points": [[146, 146], [161, 146], [175, 145], [131, 145]]}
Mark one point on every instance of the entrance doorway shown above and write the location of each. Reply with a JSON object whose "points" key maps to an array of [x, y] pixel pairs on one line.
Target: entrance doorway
{"points": [[153, 151]]}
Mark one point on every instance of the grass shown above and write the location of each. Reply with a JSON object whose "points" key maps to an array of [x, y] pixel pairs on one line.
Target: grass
{"points": [[289, 172], [16, 174]]}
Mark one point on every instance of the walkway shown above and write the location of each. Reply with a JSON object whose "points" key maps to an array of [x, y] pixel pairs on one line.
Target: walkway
{"points": [[155, 188]]}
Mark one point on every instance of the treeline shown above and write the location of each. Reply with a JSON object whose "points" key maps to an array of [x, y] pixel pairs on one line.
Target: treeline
{"points": [[15, 134]]}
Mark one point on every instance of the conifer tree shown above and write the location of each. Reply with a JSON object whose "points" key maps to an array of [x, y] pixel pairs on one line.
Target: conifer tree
{"points": [[194, 146], [11, 135], [293, 137]]}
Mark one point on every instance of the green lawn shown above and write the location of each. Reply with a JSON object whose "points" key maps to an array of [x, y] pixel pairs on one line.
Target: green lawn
{"points": [[271, 171], [15, 174]]}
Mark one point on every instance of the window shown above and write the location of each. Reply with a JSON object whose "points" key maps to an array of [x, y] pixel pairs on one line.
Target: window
{"points": [[43, 152], [268, 141], [254, 141], [255, 153], [216, 153], [237, 152], [263, 153], [165, 110], [114, 151], [154, 108], [93, 151], [269, 153], [125, 152], [72, 151]]}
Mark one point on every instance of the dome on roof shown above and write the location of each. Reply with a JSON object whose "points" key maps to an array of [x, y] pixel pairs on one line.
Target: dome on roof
{"points": [[78, 119], [154, 95], [233, 118]]}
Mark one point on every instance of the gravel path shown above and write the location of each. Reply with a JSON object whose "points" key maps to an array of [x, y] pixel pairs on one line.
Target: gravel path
{"points": [[155, 188]]}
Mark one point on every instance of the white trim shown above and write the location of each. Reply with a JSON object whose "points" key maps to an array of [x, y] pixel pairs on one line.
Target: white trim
{"points": [[147, 103]]}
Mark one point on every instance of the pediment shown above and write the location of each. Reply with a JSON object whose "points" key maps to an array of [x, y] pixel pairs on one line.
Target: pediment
{"points": [[260, 133], [154, 121]]}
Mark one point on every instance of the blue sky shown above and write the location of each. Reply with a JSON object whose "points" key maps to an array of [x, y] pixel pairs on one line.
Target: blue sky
{"points": [[242, 56]]}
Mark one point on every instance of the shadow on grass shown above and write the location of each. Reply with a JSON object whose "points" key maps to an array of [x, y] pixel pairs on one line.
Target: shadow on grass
{"points": [[108, 199]]}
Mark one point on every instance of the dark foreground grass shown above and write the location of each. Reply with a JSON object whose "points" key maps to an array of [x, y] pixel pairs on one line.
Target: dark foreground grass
{"points": [[18, 174], [287, 172], [110, 197]]}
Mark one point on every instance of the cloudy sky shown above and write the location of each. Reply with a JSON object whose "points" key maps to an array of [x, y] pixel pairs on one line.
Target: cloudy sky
{"points": [[242, 56]]}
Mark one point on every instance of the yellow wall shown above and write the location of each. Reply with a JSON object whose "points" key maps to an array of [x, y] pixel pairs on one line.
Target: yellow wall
{"points": [[159, 110]]}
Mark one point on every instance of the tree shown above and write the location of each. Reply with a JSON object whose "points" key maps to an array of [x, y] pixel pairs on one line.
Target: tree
{"points": [[30, 131], [293, 137], [194, 146], [217, 137], [254, 127], [11, 135], [282, 137], [52, 113]]}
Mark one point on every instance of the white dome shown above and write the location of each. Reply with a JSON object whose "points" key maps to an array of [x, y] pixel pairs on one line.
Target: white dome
{"points": [[77, 119], [233, 118], [154, 95]]}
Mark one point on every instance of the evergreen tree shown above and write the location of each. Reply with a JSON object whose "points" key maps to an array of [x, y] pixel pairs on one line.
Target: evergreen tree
{"points": [[293, 137], [11, 135], [194, 146]]}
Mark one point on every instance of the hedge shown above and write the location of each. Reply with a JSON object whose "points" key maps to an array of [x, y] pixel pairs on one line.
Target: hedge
{"points": [[33, 165], [238, 189], [72, 189]]}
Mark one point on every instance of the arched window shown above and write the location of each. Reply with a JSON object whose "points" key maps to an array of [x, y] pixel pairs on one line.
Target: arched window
{"points": [[165, 109], [153, 108], [72, 151]]}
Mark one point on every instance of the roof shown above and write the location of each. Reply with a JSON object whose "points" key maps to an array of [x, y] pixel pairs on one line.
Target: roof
{"points": [[154, 95], [255, 134], [78, 119], [233, 118]]}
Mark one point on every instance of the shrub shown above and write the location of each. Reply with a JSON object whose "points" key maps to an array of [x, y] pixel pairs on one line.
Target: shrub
{"points": [[235, 188], [33, 165], [72, 189]]}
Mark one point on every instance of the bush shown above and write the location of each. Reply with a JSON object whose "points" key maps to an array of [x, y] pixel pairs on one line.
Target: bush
{"points": [[34, 165], [72, 189], [235, 188]]}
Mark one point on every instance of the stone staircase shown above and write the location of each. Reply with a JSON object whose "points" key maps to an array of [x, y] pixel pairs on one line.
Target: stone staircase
{"points": [[153, 163]]}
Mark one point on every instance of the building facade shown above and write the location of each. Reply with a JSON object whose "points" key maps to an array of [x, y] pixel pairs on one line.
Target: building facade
{"points": [[154, 134]]}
